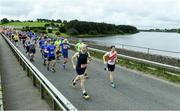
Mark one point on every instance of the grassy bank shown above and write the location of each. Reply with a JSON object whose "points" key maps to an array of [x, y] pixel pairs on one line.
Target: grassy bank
{"points": [[87, 35]]}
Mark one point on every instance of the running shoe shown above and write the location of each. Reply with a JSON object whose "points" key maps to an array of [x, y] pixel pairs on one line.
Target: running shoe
{"points": [[112, 85], [86, 96]]}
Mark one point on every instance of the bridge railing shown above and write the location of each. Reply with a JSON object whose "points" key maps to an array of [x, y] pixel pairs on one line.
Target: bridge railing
{"points": [[58, 101], [142, 61]]}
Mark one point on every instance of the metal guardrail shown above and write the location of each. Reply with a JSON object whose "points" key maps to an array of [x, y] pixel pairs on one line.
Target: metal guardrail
{"points": [[45, 85], [1, 95], [160, 65]]}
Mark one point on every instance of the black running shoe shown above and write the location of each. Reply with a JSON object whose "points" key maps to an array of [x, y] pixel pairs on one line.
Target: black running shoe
{"points": [[53, 70], [73, 83], [86, 96], [106, 69]]}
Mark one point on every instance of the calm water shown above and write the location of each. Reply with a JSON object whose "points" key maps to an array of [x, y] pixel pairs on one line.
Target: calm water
{"points": [[155, 40]]}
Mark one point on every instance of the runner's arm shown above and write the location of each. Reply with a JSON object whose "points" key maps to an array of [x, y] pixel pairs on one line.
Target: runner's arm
{"points": [[73, 59], [104, 57], [89, 57]]}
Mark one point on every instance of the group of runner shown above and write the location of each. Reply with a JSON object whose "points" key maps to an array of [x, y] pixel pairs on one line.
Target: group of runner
{"points": [[52, 50]]}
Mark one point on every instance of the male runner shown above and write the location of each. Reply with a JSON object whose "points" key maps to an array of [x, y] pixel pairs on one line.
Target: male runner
{"points": [[110, 58]]}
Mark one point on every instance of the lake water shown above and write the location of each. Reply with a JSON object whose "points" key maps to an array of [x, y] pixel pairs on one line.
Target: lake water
{"points": [[152, 40]]}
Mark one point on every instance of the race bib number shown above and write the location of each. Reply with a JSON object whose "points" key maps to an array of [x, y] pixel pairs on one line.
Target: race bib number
{"points": [[45, 51], [65, 47], [52, 52]]}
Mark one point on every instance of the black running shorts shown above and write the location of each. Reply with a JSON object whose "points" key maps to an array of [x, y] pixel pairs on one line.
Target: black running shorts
{"points": [[111, 67]]}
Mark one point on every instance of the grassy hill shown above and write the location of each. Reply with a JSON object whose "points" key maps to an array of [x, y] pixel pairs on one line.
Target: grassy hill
{"points": [[23, 24]]}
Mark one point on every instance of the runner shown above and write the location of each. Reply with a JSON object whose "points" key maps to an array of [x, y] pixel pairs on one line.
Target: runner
{"points": [[57, 44], [51, 56], [78, 45], [41, 43], [83, 57], [27, 44], [45, 52], [78, 48], [16, 39], [110, 58], [32, 50], [64, 50], [24, 40]]}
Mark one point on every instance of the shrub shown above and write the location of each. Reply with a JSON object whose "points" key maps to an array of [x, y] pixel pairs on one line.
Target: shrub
{"points": [[49, 30], [58, 33]]}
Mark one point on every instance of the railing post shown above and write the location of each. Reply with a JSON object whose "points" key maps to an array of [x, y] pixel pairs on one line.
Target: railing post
{"points": [[34, 80], [28, 72], [42, 91], [24, 67], [54, 104]]}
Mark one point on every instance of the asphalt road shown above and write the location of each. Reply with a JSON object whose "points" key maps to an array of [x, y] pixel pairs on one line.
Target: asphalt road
{"points": [[133, 90]]}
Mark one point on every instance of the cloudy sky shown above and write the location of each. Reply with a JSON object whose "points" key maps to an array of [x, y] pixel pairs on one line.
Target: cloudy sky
{"points": [[140, 13]]}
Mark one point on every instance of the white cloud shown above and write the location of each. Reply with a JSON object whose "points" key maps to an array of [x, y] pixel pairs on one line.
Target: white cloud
{"points": [[141, 13]]}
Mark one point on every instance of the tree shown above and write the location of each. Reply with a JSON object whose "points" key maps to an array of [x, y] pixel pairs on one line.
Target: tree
{"points": [[178, 30], [64, 21], [95, 28], [49, 30], [12, 21], [52, 24], [62, 29], [72, 31], [17, 21], [4, 21], [46, 25], [58, 21], [58, 33]]}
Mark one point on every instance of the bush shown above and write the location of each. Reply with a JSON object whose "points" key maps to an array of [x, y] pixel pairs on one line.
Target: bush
{"points": [[46, 25], [37, 28], [62, 29], [49, 30], [43, 31], [4, 21], [58, 33], [72, 31], [26, 28]]}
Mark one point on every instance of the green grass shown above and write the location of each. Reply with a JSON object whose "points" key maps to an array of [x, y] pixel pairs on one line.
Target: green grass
{"points": [[23, 24]]}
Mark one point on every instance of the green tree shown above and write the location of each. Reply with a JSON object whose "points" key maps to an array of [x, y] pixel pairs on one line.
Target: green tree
{"points": [[58, 21], [178, 30], [72, 31], [12, 21], [62, 29], [4, 21]]}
